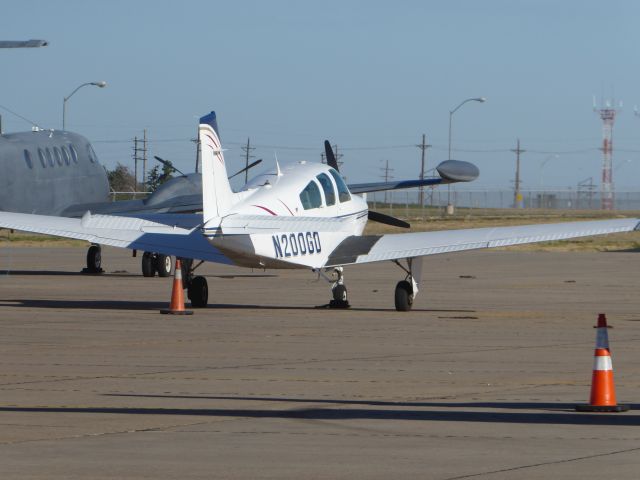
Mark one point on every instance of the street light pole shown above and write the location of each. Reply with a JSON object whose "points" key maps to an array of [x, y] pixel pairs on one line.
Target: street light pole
{"points": [[100, 84], [451, 112]]}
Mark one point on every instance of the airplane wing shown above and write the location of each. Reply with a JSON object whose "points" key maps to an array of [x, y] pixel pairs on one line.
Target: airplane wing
{"points": [[375, 248], [178, 235], [451, 171]]}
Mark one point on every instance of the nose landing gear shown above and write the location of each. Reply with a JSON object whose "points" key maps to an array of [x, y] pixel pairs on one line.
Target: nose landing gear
{"points": [[339, 291]]}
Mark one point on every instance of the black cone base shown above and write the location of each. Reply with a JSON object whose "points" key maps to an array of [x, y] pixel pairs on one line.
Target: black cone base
{"points": [[602, 408]]}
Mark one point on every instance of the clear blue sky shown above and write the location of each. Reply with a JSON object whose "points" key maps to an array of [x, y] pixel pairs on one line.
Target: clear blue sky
{"points": [[373, 74]]}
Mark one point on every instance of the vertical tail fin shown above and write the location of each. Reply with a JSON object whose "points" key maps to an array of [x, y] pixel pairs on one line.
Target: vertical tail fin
{"points": [[217, 196]]}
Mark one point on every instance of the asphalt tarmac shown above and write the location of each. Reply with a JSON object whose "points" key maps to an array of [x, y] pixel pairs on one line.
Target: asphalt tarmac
{"points": [[478, 381]]}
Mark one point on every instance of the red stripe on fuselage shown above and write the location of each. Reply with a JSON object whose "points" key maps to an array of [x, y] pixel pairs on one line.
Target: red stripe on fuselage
{"points": [[266, 210], [286, 207]]}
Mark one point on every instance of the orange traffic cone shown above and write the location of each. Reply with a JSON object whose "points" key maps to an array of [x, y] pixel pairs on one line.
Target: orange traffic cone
{"points": [[176, 307], [603, 390]]}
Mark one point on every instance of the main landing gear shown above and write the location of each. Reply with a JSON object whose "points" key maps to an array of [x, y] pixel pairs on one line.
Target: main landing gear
{"points": [[153, 263], [197, 287], [94, 260], [407, 289], [405, 292]]}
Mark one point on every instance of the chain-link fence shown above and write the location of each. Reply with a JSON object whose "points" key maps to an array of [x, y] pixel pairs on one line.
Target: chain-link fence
{"points": [[496, 198]]}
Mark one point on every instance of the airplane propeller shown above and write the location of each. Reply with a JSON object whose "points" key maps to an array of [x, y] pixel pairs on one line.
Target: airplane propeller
{"points": [[251, 165], [373, 216], [387, 220], [331, 158], [168, 164]]}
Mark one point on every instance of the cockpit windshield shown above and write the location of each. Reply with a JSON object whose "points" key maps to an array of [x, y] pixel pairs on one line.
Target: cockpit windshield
{"points": [[343, 191]]}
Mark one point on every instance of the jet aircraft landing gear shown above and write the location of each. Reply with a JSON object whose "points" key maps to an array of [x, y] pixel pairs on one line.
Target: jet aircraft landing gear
{"points": [[156, 262], [339, 291], [94, 260], [197, 287], [407, 289]]}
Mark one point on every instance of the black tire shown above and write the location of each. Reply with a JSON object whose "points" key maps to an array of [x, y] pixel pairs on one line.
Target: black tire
{"points": [[148, 265], [403, 297], [339, 293], [94, 259], [163, 264], [198, 292]]}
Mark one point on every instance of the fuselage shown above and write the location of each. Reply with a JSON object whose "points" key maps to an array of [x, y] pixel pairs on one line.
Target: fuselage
{"points": [[46, 172], [302, 190]]}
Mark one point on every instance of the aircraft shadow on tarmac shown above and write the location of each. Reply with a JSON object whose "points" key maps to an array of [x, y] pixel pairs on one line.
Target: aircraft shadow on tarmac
{"points": [[140, 305], [551, 414]]}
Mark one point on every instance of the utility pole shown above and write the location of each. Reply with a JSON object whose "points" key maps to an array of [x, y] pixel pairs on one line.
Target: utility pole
{"points": [[423, 146], [386, 177], [144, 160], [140, 155], [247, 151], [517, 196]]}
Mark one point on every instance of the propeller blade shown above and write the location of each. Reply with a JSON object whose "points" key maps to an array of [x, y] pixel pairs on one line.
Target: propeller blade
{"points": [[331, 158], [251, 165], [387, 220], [168, 164]]}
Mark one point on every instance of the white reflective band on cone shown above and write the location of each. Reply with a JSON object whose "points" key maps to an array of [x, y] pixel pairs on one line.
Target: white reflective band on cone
{"points": [[602, 363]]}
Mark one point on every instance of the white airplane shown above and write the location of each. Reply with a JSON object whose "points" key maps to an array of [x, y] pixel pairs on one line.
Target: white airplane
{"points": [[302, 216]]}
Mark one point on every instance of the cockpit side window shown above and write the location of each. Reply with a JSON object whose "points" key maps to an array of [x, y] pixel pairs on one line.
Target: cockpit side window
{"points": [[343, 191], [43, 162], [92, 153], [65, 155], [27, 159], [310, 196], [49, 157], [74, 154], [56, 153], [327, 187]]}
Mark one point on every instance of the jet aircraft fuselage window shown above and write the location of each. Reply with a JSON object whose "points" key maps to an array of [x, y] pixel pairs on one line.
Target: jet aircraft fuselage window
{"points": [[65, 154], [56, 153], [74, 154], [92, 153], [27, 159], [327, 187], [43, 162], [49, 157], [310, 196], [343, 191]]}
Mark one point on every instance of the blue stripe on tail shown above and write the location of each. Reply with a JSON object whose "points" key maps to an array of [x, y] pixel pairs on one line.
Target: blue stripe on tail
{"points": [[210, 119]]}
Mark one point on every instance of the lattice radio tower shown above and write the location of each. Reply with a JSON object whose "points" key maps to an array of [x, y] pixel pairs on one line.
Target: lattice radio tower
{"points": [[607, 114]]}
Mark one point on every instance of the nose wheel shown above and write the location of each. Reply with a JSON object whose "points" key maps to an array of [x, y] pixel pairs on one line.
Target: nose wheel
{"points": [[339, 291]]}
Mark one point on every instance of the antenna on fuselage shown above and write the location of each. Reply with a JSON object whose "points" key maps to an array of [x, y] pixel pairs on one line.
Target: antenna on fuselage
{"points": [[278, 171]]}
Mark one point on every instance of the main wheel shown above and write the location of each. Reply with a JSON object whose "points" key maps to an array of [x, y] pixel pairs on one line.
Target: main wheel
{"points": [[198, 292], [148, 265], [404, 296], [340, 293], [94, 259], [163, 265]]}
